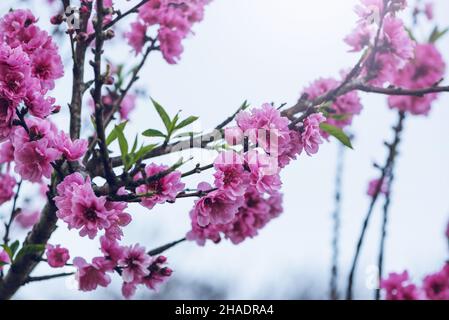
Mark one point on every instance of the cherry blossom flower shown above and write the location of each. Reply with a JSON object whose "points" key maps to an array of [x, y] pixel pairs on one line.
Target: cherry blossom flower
{"points": [[436, 286], [311, 133], [7, 184], [27, 219], [4, 259], [57, 256], [374, 185], [423, 71], [215, 207], [230, 176], [135, 263], [161, 190], [344, 108], [91, 275], [398, 287]]}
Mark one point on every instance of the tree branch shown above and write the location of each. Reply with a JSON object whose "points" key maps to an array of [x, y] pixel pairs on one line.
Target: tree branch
{"points": [[384, 174]]}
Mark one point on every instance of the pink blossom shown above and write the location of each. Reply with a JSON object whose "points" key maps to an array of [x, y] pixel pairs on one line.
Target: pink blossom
{"points": [[4, 259], [311, 134], [253, 216], [398, 287], [158, 273], [230, 176], [47, 66], [90, 276], [264, 171], [135, 263], [6, 152], [266, 127], [57, 256], [423, 71], [112, 251], [80, 208], [436, 286], [428, 10], [233, 135], [256, 211], [137, 36], [27, 219], [174, 19], [374, 185], [160, 190], [7, 184], [33, 160], [215, 207], [72, 150], [345, 107], [127, 106]]}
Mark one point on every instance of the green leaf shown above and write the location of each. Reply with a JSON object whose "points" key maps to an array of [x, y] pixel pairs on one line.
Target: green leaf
{"points": [[143, 151], [437, 34], [186, 122], [113, 135], [29, 249], [337, 133], [163, 114], [173, 124], [3, 263], [14, 246], [153, 133], [123, 144], [136, 141]]}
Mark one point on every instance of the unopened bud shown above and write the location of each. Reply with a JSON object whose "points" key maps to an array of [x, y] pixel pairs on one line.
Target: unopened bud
{"points": [[57, 19]]}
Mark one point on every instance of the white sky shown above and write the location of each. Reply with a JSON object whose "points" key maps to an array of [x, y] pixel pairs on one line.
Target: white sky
{"points": [[266, 51]]}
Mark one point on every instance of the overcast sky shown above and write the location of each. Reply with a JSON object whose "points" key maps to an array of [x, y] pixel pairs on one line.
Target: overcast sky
{"points": [[268, 51]]}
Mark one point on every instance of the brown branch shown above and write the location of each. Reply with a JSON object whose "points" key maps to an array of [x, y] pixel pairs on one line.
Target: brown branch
{"points": [[48, 277], [78, 77], [165, 247], [385, 171], [96, 95], [119, 17]]}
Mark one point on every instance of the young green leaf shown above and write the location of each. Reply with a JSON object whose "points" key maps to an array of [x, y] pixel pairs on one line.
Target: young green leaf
{"points": [[136, 141], [337, 133], [163, 114], [113, 135], [14, 246], [123, 144], [153, 133], [29, 249], [186, 122]]}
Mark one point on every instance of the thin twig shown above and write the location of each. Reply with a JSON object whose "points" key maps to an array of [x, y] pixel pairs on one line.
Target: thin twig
{"points": [[48, 277], [13, 214], [336, 218], [384, 174], [165, 247]]}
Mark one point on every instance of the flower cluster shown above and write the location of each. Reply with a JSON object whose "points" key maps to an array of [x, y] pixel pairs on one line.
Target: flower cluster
{"points": [[394, 45], [343, 108], [160, 190], [80, 208], [132, 262], [434, 287], [30, 65], [257, 210], [38, 144], [174, 19], [425, 70]]}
